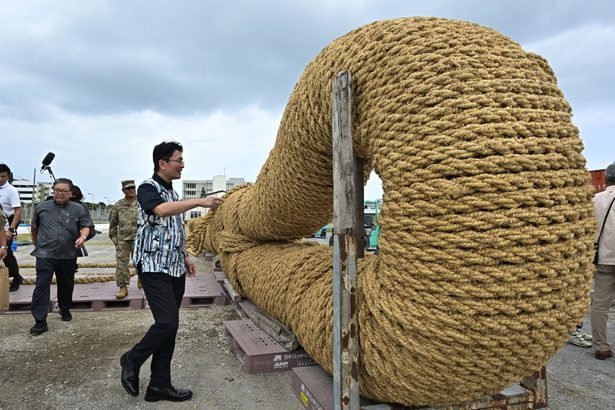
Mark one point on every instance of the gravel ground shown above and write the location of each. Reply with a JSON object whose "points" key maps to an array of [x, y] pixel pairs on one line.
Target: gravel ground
{"points": [[76, 364]]}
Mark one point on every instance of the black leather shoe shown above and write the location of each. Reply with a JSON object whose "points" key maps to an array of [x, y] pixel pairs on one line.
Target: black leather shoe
{"points": [[168, 393], [66, 316], [38, 328], [130, 376], [17, 280]]}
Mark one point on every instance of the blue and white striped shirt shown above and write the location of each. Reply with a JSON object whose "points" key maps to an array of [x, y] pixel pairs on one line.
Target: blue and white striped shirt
{"points": [[159, 242]]}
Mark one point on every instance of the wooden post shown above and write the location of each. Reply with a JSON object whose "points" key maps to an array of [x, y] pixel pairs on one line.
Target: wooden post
{"points": [[345, 250]]}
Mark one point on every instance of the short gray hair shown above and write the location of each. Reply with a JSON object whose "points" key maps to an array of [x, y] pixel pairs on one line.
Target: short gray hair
{"points": [[609, 174]]}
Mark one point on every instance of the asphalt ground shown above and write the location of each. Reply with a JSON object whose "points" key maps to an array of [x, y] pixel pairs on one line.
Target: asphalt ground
{"points": [[76, 364]]}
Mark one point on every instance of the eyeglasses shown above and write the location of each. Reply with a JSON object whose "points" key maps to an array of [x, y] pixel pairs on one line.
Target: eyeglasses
{"points": [[61, 191], [179, 161], [130, 188]]}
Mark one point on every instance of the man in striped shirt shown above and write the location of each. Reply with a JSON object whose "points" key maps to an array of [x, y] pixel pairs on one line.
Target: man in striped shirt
{"points": [[162, 264]]}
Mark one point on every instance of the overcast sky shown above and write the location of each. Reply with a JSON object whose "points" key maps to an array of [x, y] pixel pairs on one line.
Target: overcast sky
{"points": [[99, 83]]}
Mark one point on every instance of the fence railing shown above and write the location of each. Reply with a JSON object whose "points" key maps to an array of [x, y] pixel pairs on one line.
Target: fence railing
{"points": [[98, 215]]}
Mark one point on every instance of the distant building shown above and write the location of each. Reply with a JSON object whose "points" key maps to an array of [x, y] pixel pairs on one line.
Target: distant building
{"points": [[218, 186], [24, 187], [201, 188]]}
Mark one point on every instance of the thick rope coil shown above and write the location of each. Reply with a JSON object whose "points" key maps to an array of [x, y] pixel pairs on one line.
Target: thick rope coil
{"points": [[487, 221], [86, 278], [80, 265]]}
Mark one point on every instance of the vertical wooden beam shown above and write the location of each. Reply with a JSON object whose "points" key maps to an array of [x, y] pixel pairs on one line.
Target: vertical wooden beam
{"points": [[537, 383], [345, 245]]}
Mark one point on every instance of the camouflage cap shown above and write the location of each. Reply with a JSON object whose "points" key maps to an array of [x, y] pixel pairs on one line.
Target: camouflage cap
{"points": [[129, 183]]}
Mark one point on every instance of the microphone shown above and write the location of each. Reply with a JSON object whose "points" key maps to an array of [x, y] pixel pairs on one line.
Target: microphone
{"points": [[47, 160]]}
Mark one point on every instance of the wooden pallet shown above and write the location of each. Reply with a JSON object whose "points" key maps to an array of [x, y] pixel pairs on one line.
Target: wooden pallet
{"points": [[314, 388], [101, 296], [20, 301], [258, 352], [203, 290]]}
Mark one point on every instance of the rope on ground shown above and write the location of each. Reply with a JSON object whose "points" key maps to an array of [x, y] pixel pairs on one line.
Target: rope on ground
{"points": [[487, 220], [87, 278], [80, 265]]}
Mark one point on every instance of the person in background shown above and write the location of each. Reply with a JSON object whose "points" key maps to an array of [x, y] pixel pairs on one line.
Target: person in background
{"points": [[162, 265], [580, 338], [3, 221], [10, 203], [122, 230], [59, 229], [76, 196], [604, 276]]}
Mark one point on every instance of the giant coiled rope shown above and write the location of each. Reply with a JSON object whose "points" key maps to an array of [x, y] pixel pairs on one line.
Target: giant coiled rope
{"points": [[486, 227]]}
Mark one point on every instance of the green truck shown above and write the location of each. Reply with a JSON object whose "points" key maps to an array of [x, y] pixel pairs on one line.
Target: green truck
{"points": [[371, 225]]}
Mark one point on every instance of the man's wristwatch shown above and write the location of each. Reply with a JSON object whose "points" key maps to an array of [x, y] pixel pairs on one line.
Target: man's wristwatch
{"points": [[11, 229]]}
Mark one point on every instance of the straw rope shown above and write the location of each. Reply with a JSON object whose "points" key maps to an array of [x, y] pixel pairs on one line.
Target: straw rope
{"points": [[80, 265], [84, 278], [486, 226]]}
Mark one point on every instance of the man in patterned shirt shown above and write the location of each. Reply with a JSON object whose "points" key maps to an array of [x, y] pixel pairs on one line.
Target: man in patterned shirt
{"points": [[162, 264], [122, 230]]}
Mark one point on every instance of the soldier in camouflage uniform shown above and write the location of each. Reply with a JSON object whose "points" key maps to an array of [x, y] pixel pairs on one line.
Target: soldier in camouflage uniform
{"points": [[122, 229]]}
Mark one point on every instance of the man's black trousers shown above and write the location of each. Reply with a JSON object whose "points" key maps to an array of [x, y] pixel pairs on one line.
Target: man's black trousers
{"points": [[164, 294], [10, 261], [65, 278]]}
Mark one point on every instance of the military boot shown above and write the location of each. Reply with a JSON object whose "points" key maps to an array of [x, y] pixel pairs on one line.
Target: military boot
{"points": [[123, 292]]}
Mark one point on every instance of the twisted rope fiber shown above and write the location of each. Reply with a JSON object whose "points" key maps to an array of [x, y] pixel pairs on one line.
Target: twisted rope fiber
{"points": [[487, 222], [80, 265], [86, 278]]}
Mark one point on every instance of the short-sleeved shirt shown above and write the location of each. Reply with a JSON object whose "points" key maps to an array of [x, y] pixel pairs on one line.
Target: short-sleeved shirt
{"points": [[9, 200], [58, 229], [160, 241], [602, 200], [149, 197], [3, 218]]}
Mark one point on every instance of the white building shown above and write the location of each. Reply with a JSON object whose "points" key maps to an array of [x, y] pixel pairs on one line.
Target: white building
{"points": [[24, 187], [218, 186], [201, 188]]}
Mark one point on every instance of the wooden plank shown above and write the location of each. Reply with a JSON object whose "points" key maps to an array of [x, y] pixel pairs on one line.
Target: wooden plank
{"points": [[277, 330], [537, 383], [235, 297], [345, 318]]}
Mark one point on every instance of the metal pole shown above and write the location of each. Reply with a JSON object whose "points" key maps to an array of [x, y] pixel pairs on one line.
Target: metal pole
{"points": [[33, 193], [345, 246]]}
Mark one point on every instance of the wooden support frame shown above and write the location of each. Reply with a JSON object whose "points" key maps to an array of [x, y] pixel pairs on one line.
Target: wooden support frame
{"points": [[347, 246]]}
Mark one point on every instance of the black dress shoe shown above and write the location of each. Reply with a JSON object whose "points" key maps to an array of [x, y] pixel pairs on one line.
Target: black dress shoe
{"points": [[167, 393], [66, 316], [130, 376], [39, 327], [17, 280]]}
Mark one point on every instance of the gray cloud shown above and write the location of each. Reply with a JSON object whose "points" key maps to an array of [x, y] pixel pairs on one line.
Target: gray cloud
{"points": [[189, 56], [77, 71]]}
